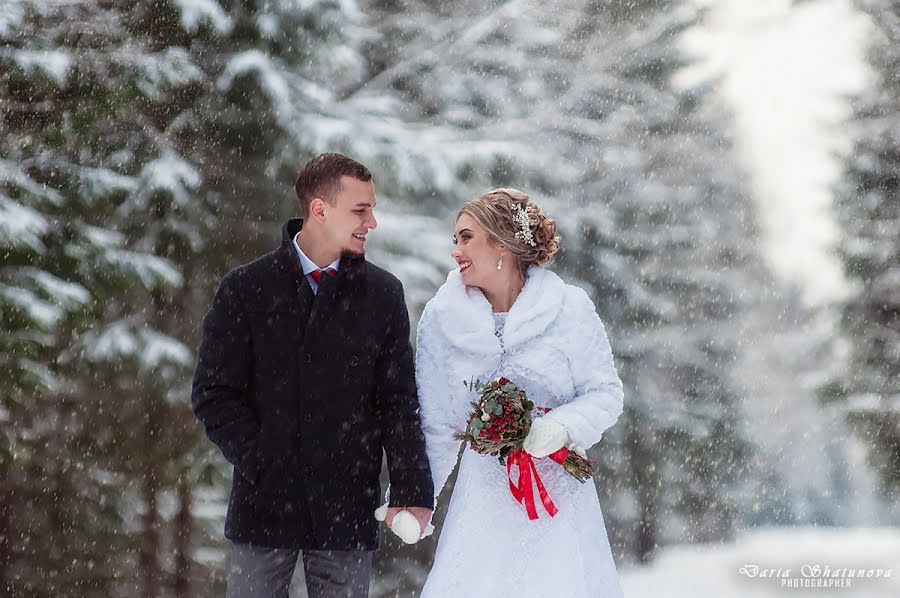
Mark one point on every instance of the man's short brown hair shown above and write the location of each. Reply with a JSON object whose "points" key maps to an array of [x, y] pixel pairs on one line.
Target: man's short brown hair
{"points": [[321, 177]]}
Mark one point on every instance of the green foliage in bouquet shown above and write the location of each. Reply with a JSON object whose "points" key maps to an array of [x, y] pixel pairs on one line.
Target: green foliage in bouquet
{"points": [[500, 421]]}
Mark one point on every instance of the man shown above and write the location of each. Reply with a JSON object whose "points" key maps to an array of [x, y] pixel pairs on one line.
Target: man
{"points": [[305, 374]]}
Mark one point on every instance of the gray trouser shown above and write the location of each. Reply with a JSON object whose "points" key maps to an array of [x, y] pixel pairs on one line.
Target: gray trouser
{"points": [[260, 572]]}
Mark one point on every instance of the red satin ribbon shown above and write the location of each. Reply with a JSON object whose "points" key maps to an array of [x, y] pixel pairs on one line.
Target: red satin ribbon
{"points": [[523, 492]]}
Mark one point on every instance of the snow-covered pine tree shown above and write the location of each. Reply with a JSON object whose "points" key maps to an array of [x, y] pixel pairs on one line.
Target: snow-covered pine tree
{"points": [[669, 248], [64, 263], [46, 229], [475, 82], [868, 208], [578, 107], [156, 139]]}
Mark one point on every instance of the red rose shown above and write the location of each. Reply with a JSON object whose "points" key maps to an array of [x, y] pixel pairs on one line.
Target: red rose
{"points": [[504, 381]]}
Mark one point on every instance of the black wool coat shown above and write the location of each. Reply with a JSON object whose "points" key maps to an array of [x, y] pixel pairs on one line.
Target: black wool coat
{"points": [[301, 393]]}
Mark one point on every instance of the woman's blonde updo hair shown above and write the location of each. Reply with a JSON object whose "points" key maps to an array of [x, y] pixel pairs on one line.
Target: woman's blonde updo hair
{"points": [[496, 211]]}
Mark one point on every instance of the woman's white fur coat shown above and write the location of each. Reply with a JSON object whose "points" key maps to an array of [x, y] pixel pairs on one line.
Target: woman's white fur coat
{"points": [[556, 348], [552, 328]]}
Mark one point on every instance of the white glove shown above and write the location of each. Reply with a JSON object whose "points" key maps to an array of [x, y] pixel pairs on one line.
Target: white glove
{"points": [[545, 437], [405, 526]]}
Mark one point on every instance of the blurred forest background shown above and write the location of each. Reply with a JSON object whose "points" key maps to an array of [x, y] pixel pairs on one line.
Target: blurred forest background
{"points": [[148, 146]]}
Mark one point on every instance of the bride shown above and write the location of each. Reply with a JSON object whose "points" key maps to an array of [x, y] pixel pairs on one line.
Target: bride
{"points": [[502, 314]]}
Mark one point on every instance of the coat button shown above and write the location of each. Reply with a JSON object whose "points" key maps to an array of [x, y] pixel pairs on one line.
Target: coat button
{"points": [[353, 419], [307, 358], [308, 469], [354, 361], [308, 418]]}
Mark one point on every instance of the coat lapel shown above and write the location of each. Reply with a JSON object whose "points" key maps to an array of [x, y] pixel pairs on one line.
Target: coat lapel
{"points": [[463, 316], [297, 291], [536, 307], [337, 295]]}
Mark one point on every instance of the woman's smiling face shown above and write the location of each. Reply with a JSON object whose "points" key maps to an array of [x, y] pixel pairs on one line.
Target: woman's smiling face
{"points": [[475, 253]]}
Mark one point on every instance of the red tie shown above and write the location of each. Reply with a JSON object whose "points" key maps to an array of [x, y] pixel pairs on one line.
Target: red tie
{"points": [[317, 274]]}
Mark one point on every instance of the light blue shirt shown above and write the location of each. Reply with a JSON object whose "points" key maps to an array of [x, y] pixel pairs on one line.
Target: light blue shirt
{"points": [[310, 266]]}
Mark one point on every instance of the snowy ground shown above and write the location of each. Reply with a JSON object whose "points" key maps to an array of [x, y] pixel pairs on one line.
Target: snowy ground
{"points": [[715, 571]]}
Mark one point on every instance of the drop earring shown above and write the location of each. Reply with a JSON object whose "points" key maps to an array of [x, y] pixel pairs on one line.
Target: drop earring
{"points": [[500, 263]]}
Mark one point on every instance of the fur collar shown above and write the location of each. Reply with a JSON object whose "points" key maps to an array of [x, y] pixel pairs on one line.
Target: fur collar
{"points": [[464, 315]]}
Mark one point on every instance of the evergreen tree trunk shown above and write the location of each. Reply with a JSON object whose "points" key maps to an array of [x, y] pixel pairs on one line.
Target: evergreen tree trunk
{"points": [[646, 484], [646, 533], [5, 544], [60, 518], [184, 530], [150, 565]]}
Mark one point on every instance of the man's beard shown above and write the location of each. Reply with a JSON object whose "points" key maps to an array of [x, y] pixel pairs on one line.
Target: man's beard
{"points": [[352, 254]]}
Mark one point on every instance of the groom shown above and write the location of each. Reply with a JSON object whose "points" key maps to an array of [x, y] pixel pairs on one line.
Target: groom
{"points": [[305, 373]]}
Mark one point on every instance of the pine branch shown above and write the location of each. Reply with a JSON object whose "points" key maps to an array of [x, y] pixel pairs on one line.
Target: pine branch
{"points": [[429, 53]]}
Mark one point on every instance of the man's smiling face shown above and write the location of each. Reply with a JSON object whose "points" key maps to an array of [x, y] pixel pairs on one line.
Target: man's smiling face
{"points": [[351, 217]]}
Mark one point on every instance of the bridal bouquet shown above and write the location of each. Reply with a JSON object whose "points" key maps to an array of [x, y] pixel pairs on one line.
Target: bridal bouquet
{"points": [[497, 426]]}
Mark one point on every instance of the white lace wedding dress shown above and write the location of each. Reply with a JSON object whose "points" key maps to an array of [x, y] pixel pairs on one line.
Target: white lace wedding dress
{"points": [[488, 546]]}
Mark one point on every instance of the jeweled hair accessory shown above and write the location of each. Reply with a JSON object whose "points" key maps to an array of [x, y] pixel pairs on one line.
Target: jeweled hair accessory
{"points": [[521, 218]]}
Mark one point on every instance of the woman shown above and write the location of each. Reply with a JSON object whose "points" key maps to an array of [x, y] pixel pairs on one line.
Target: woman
{"points": [[502, 314]]}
